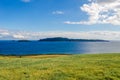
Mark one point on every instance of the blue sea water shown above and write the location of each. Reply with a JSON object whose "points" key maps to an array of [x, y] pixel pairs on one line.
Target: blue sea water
{"points": [[35, 47]]}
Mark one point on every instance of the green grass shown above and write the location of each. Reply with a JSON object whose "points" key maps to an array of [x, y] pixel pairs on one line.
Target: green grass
{"points": [[61, 67]]}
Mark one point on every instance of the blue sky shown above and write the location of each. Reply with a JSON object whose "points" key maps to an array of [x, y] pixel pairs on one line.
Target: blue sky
{"points": [[58, 18]]}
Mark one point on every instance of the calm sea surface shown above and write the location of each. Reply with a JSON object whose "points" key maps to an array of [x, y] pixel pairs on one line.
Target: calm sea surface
{"points": [[34, 47]]}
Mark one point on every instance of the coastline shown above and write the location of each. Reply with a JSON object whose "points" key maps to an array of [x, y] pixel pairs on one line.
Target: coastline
{"points": [[52, 55], [36, 56]]}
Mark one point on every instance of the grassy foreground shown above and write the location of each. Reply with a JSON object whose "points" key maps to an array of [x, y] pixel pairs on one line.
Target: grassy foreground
{"points": [[61, 67]]}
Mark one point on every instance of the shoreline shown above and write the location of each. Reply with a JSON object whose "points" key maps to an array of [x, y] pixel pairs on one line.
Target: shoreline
{"points": [[3, 54], [51, 55], [35, 56]]}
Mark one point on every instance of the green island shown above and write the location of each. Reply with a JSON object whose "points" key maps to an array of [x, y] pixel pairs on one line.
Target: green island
{"points": [[61, 67]]}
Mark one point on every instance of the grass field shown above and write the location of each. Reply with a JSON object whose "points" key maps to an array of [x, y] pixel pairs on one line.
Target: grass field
{"points": [[61, 67]]}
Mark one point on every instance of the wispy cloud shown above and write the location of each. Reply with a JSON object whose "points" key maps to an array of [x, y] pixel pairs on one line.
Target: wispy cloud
{"points": [[58, 12], [101, 12], [7, 34], [26, 1]]}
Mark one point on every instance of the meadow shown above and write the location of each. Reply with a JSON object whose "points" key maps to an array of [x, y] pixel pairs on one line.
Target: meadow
{"points": [[61, 67]]}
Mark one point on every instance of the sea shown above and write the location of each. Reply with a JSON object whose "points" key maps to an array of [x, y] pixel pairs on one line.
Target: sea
{"points": [[62, 47]]}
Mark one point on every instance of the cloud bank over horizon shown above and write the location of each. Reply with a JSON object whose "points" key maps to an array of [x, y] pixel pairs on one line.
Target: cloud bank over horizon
{"points": [[100, 12], [16, 35]]}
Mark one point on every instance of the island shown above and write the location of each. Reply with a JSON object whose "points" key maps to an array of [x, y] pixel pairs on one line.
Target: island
{"points": [[67, 39], [24, 41]]}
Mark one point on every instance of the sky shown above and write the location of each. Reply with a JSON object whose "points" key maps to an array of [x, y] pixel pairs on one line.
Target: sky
{"points": [[36, 19]]}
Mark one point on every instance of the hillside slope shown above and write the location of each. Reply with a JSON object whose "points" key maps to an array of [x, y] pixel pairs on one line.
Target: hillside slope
{"points": [[61, 67]]}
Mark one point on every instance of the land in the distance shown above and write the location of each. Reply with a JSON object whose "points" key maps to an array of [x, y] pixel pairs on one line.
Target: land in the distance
{"points": [[67, 39], [61, 67]]}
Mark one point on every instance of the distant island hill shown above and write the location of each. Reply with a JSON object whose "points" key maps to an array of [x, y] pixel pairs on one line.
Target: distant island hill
{"points": [[65, 39], [24, 41]]}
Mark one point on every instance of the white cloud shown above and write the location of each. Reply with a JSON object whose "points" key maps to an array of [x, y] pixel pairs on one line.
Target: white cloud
{"points": [[58, 12], [101, 12], [18, 36], [26, 1], [4, 32], [106, 35]]}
